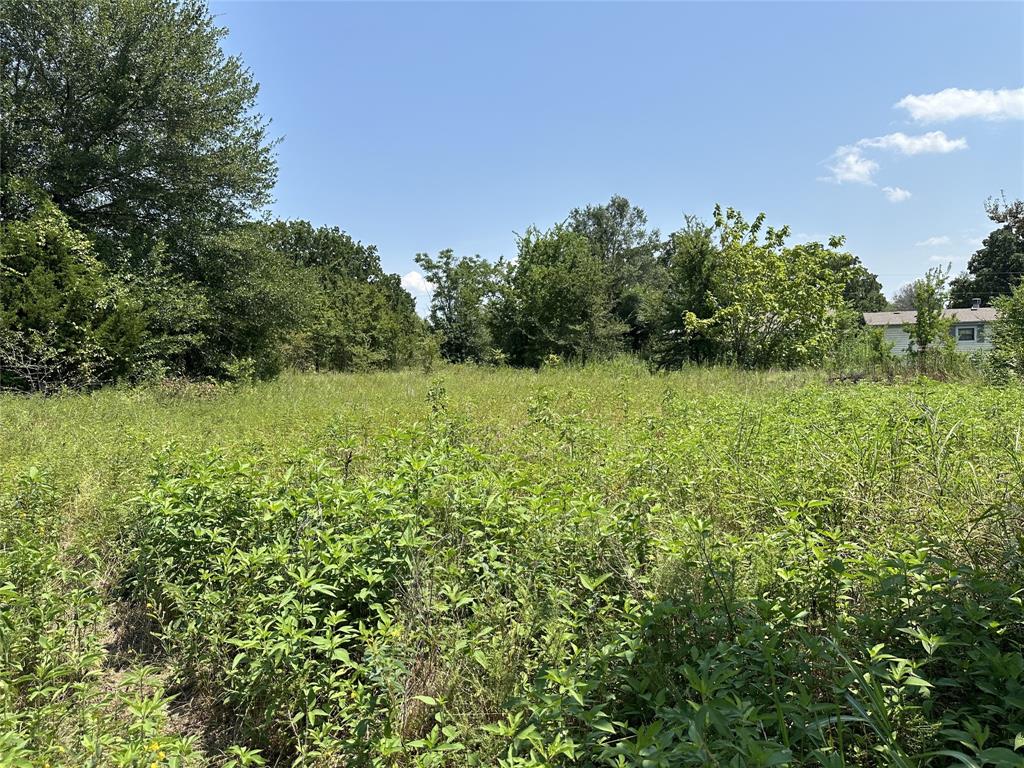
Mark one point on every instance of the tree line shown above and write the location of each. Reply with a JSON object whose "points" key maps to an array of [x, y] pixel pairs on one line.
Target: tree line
{"points": [[601, 282], [134, 169], [134, 176], [725, 291]]}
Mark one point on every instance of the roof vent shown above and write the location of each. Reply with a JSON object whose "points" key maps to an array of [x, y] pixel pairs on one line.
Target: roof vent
{"points": [[975, 303]]}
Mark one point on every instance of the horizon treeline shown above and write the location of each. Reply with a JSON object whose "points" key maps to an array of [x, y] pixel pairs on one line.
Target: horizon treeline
{"points": [[135, 175], [601, 283]]}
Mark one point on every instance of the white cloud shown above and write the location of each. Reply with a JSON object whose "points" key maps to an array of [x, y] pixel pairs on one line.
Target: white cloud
{"points": [[850, 165], [953, 103], [933, 141], [416, 283], [947, 259], [930, 242], [896, 194]]}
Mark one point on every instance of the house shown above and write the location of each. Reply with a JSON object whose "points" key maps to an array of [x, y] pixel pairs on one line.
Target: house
{"points": [[970, 327]]}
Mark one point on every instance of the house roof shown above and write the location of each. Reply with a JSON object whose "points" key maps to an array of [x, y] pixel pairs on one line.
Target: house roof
{"points": [[906, 317]]}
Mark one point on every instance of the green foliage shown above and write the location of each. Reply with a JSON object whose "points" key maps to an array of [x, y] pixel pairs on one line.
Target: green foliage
{"points": [[864, 350], [903, 297], [764, 304], [628, 251], [433, 599], [256, 298], [998, 265], [555, 300], [458, 309], [58, 704], [929, 327], [142, 131], [132, 118], [178, 318], [289, 293], [862, 292], [63, 321], [691, 265], [587, 566], [1007, 358]]}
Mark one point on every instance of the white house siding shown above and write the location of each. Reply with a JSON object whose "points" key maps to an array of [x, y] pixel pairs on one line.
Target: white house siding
{"points": [[900, 339], [895, 322]]}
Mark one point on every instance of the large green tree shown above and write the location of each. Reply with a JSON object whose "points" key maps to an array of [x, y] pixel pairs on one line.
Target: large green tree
{"points": [[627, 250], [690, 262], [862, 292], [461, 286], [903, 297], [929, 328], [328, 249], [257, 298], [1008, 335], [998, 265], [130, 117], [351, 315], [763, 304], [555, 300]]}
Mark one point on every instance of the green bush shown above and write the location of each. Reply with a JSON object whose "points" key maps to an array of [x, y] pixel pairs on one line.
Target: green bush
{"points": [[63, 321], [59, 703], [1007, 358], [827, 578]]}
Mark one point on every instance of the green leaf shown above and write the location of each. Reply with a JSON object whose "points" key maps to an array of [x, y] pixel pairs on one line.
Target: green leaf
{"points": [[1001, 756], [965, 759], [592, 584]]}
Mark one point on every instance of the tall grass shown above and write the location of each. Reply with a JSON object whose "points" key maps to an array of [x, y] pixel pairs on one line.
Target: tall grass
{"points": [[592, 566]]}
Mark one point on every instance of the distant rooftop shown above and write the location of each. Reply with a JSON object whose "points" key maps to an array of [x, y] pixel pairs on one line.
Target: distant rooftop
{"points": [[906, 317]]}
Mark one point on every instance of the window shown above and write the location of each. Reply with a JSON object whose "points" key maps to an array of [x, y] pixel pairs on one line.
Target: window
{"points": [[965, 333]]}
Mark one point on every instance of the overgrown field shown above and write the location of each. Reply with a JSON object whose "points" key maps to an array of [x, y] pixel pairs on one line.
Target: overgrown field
{"points": [[499, 568]]}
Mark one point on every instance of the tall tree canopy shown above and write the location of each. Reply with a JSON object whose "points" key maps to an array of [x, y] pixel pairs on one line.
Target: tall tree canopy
{"points": [[457, 303], [627, 250], [862, 292], [903, 297], [691, 262], [130, 144], [763, 304], [62, 322], [998, 265], [555, 300], [1008, 335], [130, 117], [350, 314]]}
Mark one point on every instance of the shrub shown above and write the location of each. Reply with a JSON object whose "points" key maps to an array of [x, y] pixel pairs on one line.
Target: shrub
{"points": [[1007, 359], [63, 322], [694, 584]]}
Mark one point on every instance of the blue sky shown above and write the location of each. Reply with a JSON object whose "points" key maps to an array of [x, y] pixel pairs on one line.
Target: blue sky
{"points": [[422, 126]]}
